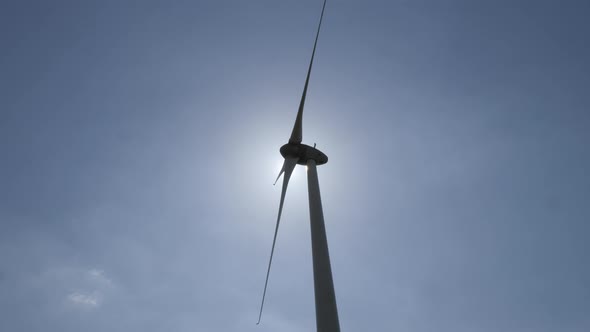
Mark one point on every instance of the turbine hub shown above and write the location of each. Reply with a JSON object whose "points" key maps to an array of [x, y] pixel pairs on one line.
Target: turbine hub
{"points": [[303, 153]]}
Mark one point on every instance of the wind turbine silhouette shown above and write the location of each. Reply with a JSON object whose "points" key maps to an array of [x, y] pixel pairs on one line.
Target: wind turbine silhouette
{"points": [[295, 153]]}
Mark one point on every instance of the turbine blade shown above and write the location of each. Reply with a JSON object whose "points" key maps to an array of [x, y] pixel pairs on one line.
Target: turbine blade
{"points": [[280, 173], [288, 167], [297, 133]]}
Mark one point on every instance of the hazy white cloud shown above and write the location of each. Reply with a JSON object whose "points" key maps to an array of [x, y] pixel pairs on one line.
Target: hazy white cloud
{"points": [[83, 299], [93, 284], [98, 276], [80, 287]]}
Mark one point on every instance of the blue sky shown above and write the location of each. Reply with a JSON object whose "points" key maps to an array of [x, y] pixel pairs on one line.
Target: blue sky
{"points": [[139, 143]]}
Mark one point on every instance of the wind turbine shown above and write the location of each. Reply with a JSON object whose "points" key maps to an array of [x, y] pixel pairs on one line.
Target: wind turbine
{"points": [[295, 153]]}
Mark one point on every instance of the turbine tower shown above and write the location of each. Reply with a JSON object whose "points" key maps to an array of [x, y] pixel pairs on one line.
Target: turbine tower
{"points": [[295, 153]]}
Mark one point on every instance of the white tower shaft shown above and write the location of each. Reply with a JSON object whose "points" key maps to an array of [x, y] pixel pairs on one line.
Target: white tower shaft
{"points": [[325, 298]]}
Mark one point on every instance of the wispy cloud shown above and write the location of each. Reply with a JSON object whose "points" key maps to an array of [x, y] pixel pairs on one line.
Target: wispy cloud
{"points": [[98, 276], [78, 287], [86, 300], [94, 284]]}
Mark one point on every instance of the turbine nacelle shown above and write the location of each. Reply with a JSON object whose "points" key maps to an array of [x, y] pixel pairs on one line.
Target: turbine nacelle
{"points": [[303, 153]]}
